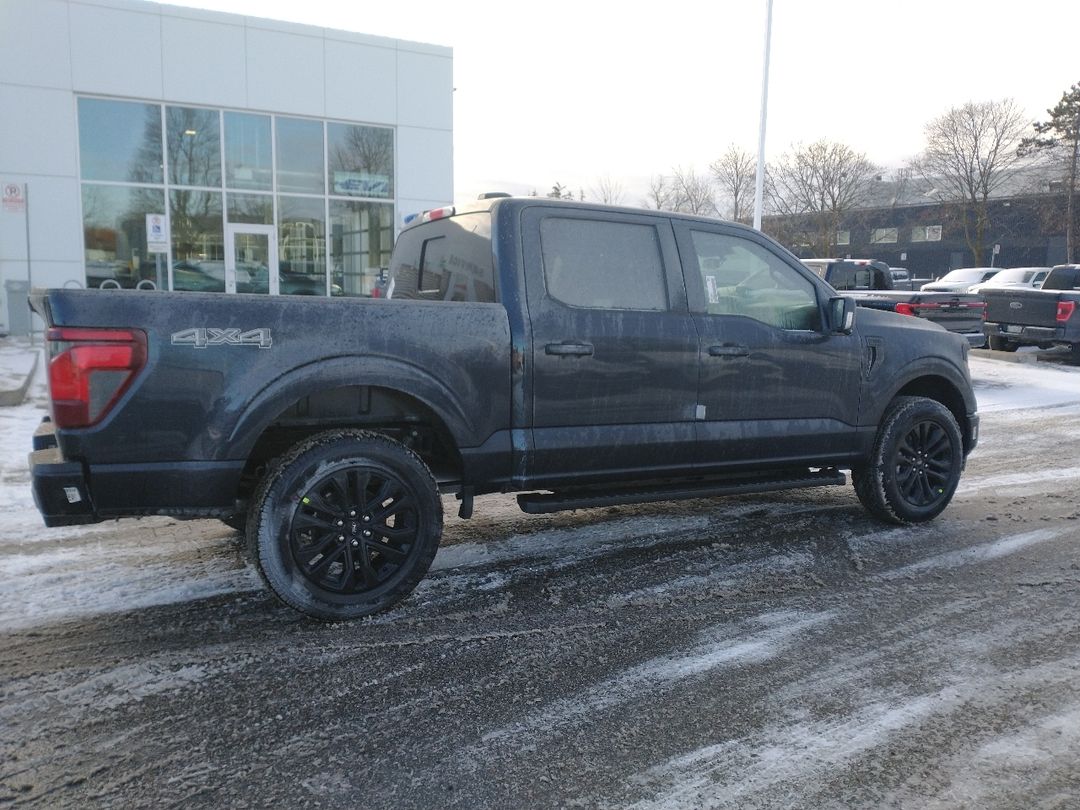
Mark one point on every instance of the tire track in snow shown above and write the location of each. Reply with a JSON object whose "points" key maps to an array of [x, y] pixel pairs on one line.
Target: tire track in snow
{"points": [[664, 673]]}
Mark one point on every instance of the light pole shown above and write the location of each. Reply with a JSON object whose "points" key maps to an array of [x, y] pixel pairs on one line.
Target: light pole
{"points": [[759, 185]]}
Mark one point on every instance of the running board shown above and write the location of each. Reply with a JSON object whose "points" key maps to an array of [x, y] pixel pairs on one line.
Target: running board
{"points": [[536, 503]]}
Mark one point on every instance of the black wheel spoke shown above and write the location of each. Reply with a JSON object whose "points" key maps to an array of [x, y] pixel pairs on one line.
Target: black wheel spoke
{"points": [[393, 509], [315, 501], [320, 567], [317, 547], [358, 484], [308, 520], [395, 533], [390, 552]]}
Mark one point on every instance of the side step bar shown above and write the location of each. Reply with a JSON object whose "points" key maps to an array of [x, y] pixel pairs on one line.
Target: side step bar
{"points": [[536, 503]]}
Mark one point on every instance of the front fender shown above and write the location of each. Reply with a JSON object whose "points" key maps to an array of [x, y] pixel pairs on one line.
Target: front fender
{"points": [[885, 388]]}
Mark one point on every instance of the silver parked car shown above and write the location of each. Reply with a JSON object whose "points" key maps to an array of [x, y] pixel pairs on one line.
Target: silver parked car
{"points": [[959, 280], [1023, 277]]}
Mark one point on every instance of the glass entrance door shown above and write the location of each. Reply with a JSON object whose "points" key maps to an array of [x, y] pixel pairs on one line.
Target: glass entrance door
{"points": [[251, 259]]}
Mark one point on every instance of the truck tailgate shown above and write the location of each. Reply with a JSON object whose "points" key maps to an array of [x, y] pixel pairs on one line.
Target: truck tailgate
{"points": [[1024, 307]]}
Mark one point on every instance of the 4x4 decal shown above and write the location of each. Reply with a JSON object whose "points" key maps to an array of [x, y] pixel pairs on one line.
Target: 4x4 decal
{"points": [[203, 337]]}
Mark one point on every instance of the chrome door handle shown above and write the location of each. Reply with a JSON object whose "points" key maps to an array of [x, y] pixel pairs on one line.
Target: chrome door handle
{"points": [[569, 349], [729, 350]]}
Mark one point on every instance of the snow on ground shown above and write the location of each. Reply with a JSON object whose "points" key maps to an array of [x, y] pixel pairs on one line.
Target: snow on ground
{"points": [[50, 574], [1006, 386]]}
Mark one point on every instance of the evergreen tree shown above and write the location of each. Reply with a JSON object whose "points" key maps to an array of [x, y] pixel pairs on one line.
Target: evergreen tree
{"points": [[1059, 137]]}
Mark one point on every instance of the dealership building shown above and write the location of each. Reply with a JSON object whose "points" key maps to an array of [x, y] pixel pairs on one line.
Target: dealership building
{"points": [[159, 147]]}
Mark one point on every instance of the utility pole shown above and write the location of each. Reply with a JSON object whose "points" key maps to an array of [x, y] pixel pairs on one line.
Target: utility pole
{"points": [[759, 185]]}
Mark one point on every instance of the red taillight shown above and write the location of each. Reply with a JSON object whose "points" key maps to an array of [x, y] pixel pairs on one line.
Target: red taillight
{"points": [[1065, 310], [905, 309], [89, 370]]}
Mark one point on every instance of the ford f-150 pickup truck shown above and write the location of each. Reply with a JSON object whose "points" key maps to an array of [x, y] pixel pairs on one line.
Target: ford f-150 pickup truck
{"points": [[581, 355], [870, 283], [1045, 317]]}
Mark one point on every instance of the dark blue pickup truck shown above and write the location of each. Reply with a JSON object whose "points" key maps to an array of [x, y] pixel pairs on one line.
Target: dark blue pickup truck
{"points": [[581, 355]]}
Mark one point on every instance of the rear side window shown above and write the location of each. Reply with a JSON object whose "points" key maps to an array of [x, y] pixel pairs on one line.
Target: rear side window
{"points": [[598, 264], [1063, 278], [446, 260]]}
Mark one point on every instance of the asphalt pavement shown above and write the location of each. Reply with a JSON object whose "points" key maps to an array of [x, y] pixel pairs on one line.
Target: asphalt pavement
{"points": [[779, 650]]}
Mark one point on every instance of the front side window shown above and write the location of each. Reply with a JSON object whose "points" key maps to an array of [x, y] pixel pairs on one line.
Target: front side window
{"points": [[603, 265], [743, 278]]}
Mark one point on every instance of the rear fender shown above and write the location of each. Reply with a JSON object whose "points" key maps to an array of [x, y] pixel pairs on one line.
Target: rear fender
{"points": [[339, 372]]}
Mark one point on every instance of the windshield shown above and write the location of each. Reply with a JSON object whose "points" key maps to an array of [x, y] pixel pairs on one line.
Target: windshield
{"points": [[971, 274], [1016, 275]]}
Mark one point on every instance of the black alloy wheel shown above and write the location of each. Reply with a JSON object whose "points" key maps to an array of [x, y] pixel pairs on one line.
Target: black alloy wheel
{"points": [[345, 524], [353, 529], [924, 463], [915, 465]]}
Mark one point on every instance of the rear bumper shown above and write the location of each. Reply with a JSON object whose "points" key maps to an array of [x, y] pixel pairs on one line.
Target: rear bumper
{"points": [[976, 340], [68, 492], [1026, 335], [60, 489]]}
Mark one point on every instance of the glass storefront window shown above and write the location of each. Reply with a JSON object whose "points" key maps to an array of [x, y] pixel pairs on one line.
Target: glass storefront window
{"points": [[361, 160], [114, 234], [255, 209], [302, 245], [198, 240], [300, 156], [248, 162], [193, 141], [361, 236], [119, 141]]}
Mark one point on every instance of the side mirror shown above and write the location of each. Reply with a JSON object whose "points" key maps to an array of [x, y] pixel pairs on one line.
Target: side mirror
{"points": [[841, 315]]}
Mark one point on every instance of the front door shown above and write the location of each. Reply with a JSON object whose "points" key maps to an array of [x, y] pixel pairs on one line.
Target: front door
{"points": [[251, 259], [776, 387]]}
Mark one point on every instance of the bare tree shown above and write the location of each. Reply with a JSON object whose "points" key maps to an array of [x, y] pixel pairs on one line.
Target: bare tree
{"points": [[969, 153], [660, 194], [818, 185], [607, 191], [1058, 140], [735, 173], [693, 192]]}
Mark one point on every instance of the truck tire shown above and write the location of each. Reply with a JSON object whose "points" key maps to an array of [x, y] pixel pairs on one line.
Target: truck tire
{"points": [[915, 464], [1074, 353], [1000, 344], [345, 524]]}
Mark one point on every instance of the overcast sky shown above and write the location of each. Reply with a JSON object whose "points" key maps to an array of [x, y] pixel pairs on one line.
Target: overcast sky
{"points": [[574, 91]]}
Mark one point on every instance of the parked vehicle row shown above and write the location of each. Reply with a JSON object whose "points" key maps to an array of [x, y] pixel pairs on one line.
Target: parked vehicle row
{"points": [[870, 283], [975, 279]]}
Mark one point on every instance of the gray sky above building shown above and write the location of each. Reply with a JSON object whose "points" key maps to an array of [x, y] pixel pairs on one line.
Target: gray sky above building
{"points": [[572, 92]]}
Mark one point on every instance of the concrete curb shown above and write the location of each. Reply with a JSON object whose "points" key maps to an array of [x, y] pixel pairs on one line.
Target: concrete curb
{"points": [[15, 396], [1007, 357]]}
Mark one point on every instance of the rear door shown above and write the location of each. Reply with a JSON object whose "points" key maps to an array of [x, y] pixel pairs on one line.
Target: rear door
{"points": [[774, 386], [614, 350]]}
